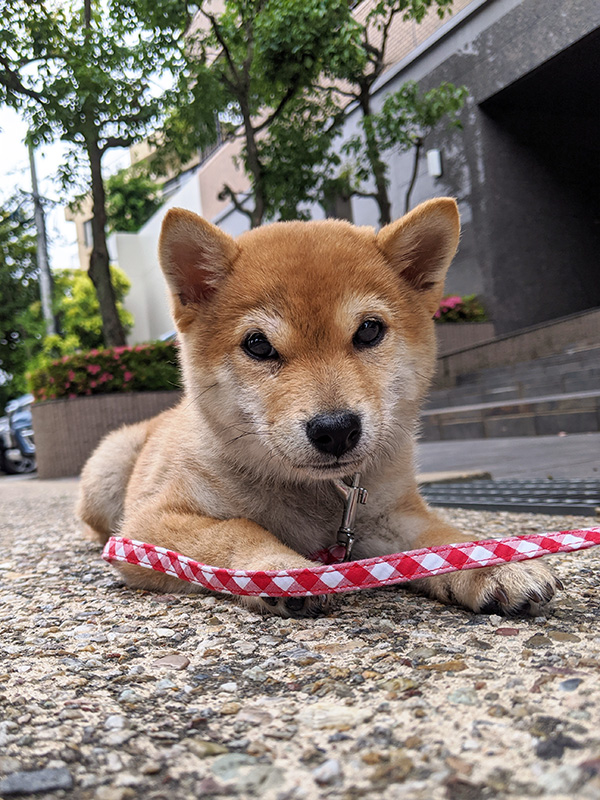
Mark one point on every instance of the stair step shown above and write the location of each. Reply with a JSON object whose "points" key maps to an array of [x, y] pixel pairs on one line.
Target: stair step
{"points": [[568, 340], [576, 412], [565, 373]]}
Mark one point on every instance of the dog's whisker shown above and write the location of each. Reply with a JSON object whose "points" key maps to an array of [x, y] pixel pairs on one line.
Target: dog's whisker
{"points": [[202, 393], [242, 435]]}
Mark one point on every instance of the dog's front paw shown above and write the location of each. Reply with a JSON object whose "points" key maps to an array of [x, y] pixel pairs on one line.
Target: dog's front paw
{"points": [[509, 589], [291, 606]]}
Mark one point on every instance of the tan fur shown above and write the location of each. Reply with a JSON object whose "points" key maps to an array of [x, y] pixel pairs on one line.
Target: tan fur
{"points": [[230, 477]]}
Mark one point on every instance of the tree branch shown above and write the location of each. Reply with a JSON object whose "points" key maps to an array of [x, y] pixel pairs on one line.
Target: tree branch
{"points": [[280, 106], [222, 42], [376, 55], [116, 141], [250, 56], [11, 81], [351, 95], [386, 31], [413, 177], [227, 191]]}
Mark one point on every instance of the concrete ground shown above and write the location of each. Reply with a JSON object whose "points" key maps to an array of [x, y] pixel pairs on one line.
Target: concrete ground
{"points": [[527, 457], [112, 694]]}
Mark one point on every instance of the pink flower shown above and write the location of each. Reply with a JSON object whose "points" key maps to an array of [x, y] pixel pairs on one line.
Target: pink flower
{"points": [[94, 369], [452, 302], [93, 384], [71, 375], [64, 359], [127, 376], [51, 379], [71, 396]]}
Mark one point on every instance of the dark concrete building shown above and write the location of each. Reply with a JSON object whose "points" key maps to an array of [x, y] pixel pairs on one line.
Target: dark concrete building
{"points": [[526, 164]]}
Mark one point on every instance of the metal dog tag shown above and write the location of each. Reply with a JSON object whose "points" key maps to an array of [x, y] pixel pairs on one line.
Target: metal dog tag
{"points": [[352, 495]]}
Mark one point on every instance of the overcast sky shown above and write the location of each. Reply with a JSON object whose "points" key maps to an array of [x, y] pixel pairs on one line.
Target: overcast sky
{"points": [[14, 175]]}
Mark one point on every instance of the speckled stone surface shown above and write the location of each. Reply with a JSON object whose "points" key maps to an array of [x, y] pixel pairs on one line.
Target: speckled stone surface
{"points": [[111, 693]]}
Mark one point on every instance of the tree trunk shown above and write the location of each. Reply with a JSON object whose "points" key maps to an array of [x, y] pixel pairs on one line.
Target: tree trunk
{"points": [[378, 168], [99, 271], [413, 177], [256, 170]]}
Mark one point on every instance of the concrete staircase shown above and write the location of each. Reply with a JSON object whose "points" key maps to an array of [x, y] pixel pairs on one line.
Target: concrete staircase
{"points": [[532, 397]]}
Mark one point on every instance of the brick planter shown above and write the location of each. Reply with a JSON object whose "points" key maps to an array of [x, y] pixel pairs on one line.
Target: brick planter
{"points": [[458, 335], [67, 431]]}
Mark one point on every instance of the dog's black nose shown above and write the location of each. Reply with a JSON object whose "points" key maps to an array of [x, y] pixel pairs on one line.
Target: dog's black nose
{"points": [[334, 433]]}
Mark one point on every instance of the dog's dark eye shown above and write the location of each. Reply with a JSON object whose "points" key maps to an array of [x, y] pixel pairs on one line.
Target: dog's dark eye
{"points": [[258, 346], [369, 333]]}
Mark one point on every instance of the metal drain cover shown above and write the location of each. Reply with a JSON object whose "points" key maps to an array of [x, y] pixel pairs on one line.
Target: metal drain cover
{"points": [[543, 497]]}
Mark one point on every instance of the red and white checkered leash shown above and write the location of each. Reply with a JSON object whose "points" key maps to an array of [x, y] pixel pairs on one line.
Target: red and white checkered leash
{"points": [[367, 573], [336, 572]]}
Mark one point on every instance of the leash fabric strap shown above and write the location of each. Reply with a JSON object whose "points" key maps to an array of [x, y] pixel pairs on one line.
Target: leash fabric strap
{"points": [[350, 576]]}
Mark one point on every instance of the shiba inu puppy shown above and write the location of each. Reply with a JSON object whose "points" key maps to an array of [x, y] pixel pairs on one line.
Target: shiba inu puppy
{"points": [[306, 349]]}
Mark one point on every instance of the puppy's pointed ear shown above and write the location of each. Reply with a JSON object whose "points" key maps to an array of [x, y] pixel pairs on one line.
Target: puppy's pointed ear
{"points": [[195, 256], [421, 245]]}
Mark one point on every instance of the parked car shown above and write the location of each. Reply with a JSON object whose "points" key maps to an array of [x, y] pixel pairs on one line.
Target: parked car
{"points": [[17, 448]]}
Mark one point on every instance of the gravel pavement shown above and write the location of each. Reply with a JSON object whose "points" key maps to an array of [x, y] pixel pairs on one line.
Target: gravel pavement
{"points": [[110, 693]]}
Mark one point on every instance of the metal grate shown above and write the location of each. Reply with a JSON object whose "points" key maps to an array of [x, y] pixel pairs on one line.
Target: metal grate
{"points": [[580, 497]]}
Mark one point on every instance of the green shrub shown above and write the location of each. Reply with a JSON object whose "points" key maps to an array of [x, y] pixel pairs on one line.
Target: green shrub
{"points": [[144, 367], [460, 309], [76, 305]]}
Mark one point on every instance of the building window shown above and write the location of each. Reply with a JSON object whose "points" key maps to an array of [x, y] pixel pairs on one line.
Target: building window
{"points": [[88, 236]]}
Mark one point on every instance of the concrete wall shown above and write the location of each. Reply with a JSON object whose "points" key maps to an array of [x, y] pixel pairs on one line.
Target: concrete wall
{"points": [[137, 255], [68, 431]]}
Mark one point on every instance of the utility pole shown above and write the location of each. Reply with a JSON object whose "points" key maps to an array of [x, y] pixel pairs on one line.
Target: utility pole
{"points": [[42, 250]]}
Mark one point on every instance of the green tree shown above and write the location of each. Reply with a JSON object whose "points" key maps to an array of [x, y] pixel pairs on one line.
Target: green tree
{"points": [[18, 290], [131, 199], [284, 74], [362, 71], [297, 155], [85, 72], [405, 119], [251, 68], [76, 305]]}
